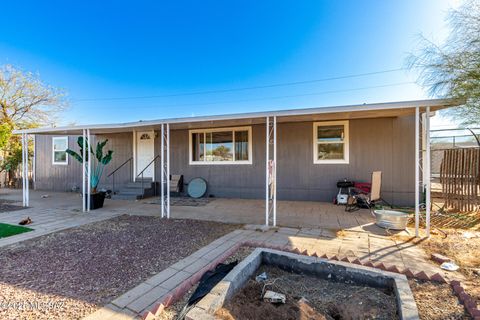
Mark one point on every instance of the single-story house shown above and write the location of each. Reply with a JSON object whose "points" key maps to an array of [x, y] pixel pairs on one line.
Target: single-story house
{"points": [[308, 151]]}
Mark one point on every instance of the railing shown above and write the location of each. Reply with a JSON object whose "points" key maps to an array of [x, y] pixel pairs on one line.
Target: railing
{"points": [[141, 174], [118, 168]]}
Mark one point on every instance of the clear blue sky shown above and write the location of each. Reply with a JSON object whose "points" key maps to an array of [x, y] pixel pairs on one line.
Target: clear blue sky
{"points": [[105, 49]]}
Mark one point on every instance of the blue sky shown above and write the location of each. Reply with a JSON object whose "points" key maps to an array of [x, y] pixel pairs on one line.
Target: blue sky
{"points": [[119, 49]]}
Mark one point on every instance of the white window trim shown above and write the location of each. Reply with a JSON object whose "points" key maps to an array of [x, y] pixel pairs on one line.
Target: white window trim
{"points": [[235, 162], [53, 151], [346, 142]]}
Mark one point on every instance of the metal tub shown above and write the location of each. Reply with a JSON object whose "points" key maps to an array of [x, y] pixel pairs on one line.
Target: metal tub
{"points": [[390, 219]]}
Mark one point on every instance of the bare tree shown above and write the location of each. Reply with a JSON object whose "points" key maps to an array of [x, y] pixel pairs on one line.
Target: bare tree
{"points": [[25, 102], [452, 70]]}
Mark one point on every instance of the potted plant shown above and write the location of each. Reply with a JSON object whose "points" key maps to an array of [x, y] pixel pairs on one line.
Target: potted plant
{"points": [[102, 160]]}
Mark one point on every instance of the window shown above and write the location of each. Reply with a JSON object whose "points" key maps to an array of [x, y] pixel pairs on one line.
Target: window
{"points": [[330, 142], [59, 147], [221, 146]]}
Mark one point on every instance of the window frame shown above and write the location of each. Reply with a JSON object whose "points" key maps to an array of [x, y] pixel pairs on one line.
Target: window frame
{"points": [[53, 151], [208, 130], [346, 142]]}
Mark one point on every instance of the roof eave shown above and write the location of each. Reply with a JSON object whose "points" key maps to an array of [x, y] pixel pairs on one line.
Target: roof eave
{"points": [[439, 103]]}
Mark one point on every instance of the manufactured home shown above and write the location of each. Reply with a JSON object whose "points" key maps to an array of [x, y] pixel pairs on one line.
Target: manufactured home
{"points": [[302, 152]]}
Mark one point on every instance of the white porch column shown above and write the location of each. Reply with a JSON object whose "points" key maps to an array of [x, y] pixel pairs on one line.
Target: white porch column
{"points": [[24, 196], [89, 177], [162, 171], [134, 155], [168, 170], [428, 202], [84, 207], [417, 170], [34, 163], [267, 157], [274, 171], [271, 172], [27, 181]]}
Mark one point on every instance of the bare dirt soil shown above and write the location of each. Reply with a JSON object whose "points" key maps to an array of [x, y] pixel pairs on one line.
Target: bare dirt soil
{"points": [[71, 273], [437, 301], [463, 247], [325, 299]]}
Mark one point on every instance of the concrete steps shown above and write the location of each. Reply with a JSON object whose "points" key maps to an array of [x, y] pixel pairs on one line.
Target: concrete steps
{"points": [[136, 190]]}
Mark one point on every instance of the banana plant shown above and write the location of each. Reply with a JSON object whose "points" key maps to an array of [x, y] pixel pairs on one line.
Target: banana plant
{"points": [[102, 160]]}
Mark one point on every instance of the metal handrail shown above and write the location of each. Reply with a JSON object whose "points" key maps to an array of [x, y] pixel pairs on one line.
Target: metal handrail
{"points": [[120, 166], [141, 174], [114, 171]]}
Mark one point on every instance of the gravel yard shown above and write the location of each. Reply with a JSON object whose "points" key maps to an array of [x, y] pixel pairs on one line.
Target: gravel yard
{"points": [[71, 273]]}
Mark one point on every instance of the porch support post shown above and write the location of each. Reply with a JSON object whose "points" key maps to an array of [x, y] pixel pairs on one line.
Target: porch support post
{"points": [[428, 201], [162, 171], [267, 157], [271, 172], [274, 173], [134, 155], [89, 177], [417, 170], [168, 170], [27, 181], [34, 160], [24, 198], [83, 171]]}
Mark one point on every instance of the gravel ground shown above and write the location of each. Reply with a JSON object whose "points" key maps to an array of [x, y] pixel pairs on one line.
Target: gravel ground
{"points": [[437, 301], [69, 274]]}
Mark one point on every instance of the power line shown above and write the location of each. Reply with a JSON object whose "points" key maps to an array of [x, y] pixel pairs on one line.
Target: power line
{"points": [[288, 96], [284, 84]]}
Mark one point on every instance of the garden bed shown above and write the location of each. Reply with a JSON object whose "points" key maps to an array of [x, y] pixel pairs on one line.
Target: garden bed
{"points": [[71, 273], [314, 289], [323, 299]]}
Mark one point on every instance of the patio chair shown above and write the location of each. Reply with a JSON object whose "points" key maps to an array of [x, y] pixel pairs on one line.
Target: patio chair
{"points": [[359, 197], [176, 184]]}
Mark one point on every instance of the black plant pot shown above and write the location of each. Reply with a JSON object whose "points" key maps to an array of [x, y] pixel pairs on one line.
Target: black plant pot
{"points": [[96, 200]]}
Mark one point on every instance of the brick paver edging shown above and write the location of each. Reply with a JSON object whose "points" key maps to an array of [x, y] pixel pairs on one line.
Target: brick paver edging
{"points": [[181, 289]]}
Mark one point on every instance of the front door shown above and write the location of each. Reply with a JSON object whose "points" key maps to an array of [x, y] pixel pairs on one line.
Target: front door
{"points": [[145, 153]]}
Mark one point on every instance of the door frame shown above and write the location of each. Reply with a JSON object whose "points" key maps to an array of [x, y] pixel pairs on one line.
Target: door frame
{"points": [[135, 153]]}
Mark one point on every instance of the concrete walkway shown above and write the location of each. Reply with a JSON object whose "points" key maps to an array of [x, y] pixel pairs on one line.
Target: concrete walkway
{"points": [[54, 212], [173, 282], [296, 214], [320, 228]]}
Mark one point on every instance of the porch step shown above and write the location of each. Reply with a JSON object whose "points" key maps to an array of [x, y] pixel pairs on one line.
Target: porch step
{"points": [[135, 190]]}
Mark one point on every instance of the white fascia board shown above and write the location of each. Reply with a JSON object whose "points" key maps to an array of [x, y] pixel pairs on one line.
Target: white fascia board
{"points": [[261, 114]]}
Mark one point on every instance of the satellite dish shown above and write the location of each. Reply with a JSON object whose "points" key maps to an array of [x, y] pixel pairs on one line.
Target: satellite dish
{"points": [[197, 187]]}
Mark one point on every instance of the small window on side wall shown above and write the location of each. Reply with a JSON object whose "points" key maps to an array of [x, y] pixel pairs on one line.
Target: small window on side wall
{"points": [[330, 142], [59, 150]]}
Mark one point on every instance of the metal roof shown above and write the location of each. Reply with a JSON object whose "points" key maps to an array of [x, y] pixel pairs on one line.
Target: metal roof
{"points": [[435, 104]]}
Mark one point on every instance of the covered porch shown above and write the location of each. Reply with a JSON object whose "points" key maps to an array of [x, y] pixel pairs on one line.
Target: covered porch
{"points": [[294, 214], [384, 136], [58, 209]]}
